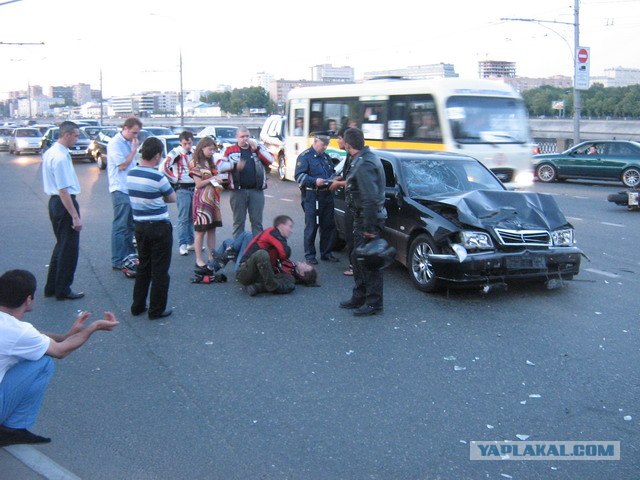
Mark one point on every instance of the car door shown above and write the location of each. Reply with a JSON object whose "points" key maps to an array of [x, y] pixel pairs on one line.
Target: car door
{"points": [[578, 163], [394, 228], [617, 156]]}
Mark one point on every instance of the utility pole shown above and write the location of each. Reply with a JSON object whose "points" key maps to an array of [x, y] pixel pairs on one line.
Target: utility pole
{"points": [[577, 101], [101, 99], [181, 93]]}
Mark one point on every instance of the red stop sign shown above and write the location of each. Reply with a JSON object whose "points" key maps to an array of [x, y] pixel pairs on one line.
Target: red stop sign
{"points": [[583, 55]]}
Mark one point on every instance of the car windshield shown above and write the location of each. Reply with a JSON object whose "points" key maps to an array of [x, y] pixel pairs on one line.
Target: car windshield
{"points": [[172, 143], [226, 132], [5, 131], [488, 120], [159, 130], [56, 134], [28, 132], [432, 177]]}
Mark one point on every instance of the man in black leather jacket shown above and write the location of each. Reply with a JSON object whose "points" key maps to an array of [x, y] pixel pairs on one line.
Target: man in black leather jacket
{"points": [[365, 199]]}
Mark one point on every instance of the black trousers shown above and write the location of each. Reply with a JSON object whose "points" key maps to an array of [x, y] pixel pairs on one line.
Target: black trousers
{"points": [[64, 259], [318, 214], [369, 285], [154, 240]]}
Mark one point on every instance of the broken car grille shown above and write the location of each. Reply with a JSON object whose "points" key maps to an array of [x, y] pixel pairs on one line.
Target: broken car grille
{"points": [[523, 237]]}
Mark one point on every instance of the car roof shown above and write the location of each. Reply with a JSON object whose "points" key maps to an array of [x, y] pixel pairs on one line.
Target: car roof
{"points": [[398, 155]]}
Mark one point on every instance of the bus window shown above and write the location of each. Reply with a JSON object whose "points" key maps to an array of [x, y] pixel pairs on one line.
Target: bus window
{"points": [[315, 123], [372, 121], [424, 119], [336, 113], [298, 126], [397, 124], [487, 120]]}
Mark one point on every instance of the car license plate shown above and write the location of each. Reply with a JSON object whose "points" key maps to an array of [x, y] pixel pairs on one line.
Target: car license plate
{"points": [[633, 198], [521, 263]]}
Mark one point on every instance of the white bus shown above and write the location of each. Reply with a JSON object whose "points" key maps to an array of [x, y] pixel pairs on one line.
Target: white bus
{"points": [[483, 119]]}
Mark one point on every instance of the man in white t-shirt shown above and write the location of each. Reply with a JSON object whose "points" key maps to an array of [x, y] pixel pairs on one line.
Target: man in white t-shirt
{"points": [[25, 356]]}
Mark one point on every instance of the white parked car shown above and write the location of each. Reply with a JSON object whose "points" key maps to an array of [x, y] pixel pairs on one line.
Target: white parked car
{"points": [[25, 139]]}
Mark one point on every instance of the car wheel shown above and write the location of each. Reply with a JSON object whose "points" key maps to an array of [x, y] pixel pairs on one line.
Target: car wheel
{"points": [[421, 271], [282, 169], [100, 161], [546, 173], [631, 177]]}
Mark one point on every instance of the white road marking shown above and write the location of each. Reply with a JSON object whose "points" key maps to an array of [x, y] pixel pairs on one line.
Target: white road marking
{"points": [[574, 219], [600, 272], [268, 196], [286, 200], [40, 463], [612, 224], [582, 198]]}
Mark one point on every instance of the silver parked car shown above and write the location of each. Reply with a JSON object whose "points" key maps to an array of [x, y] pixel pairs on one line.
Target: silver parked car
{"points": [[25, 139], [5, 137]]}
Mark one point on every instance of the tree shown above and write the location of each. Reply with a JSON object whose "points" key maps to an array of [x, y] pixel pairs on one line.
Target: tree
{"points": [[240, 100]]}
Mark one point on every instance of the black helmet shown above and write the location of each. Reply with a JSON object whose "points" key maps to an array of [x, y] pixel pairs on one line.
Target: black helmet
{"points": [[375, 255]]}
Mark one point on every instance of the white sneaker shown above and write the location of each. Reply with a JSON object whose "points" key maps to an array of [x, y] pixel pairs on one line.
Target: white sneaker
{"points": [[184, 250], [191, 247]]}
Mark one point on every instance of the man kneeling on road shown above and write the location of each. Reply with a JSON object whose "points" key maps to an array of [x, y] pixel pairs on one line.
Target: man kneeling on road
{"points": [[265, 264], [25, 356]]}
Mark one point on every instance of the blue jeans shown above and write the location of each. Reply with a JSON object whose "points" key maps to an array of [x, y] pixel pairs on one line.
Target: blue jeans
{"points": [[122, 228], [239, 245], [184, 202], [22, 390]]}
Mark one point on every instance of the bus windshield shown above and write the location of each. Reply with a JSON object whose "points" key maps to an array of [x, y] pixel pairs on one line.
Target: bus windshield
{"points": [[487, 120]]}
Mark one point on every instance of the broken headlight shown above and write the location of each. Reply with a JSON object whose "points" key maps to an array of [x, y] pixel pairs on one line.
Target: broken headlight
{"points": [[476, 240], [563, 237]]}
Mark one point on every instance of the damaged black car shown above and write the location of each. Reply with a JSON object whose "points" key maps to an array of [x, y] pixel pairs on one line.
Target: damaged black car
{"points": [[454, 224]]}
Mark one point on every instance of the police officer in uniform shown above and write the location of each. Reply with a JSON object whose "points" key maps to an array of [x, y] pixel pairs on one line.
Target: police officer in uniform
{"points": [[313, 172], [365, 198]]}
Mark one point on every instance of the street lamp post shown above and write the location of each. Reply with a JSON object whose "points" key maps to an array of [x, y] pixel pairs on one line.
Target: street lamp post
{"points": [[577, 107]]}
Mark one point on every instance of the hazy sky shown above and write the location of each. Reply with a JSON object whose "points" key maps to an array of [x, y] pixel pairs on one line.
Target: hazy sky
{"points": [[137, 42]]}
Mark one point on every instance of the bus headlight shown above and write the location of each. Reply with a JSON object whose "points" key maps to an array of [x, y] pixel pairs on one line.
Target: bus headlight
{"points": [[524, 179], [563, 238]]}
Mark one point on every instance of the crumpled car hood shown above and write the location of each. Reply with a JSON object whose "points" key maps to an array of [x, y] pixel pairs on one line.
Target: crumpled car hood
{"points": [[506, 209]]}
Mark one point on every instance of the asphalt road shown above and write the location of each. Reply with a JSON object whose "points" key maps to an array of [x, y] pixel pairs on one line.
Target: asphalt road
{"points": [[292, 387]]}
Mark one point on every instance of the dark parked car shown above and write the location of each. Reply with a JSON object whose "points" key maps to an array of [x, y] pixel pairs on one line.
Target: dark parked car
{"points": [[98, 146], [454, 224], [597, 160], [91, 131], [79, 150]]}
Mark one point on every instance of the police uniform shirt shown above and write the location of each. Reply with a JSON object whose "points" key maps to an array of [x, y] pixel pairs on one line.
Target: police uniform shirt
{"points": [[312, 165]]}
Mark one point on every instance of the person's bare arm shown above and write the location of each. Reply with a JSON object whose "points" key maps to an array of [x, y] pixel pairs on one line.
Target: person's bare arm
{"points": [[62, 345]]}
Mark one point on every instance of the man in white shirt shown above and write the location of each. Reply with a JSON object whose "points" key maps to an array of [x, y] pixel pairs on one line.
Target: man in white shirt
{"points": [[121, 154], [61, 184], [25, 356]]}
